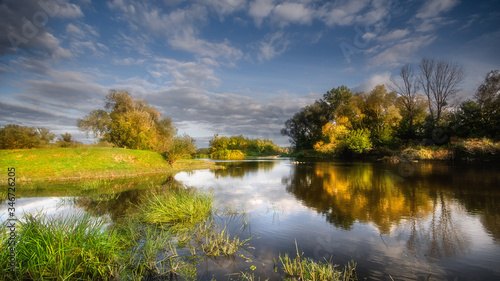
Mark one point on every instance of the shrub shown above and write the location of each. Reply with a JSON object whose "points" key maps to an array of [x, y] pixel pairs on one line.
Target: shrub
{"points": [[227, 154], [357, 142]]}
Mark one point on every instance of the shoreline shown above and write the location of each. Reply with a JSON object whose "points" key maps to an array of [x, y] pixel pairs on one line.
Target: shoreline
{"points": [[83, 164]]}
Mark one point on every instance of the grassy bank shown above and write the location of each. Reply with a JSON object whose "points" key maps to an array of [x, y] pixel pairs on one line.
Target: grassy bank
{"points": [[72, 164], [455, 150]]}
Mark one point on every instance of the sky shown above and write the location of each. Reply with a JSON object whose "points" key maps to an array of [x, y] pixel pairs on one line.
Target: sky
{"points": [[225, 67]]}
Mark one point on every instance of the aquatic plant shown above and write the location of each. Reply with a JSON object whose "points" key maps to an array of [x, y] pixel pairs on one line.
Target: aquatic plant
{"points": [[221, 243], [178, 208], [71, 247], [305, 268]]}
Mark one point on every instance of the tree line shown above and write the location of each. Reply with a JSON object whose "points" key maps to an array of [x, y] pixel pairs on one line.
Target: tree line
{"points": [[239, 146], [415, 108], [14, 136]]}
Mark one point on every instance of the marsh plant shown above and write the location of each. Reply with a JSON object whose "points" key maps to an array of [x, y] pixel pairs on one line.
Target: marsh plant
{"points": [[221, 243], [303, 268], [177, 207], [71, 247]]}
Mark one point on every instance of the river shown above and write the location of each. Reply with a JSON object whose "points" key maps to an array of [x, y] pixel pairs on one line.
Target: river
{"points": [[403, 221]]}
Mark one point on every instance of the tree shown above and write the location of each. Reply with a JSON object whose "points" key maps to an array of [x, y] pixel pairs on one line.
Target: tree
{"points": [[45, 136], [130, 123], [14, 137], [407, 89], [380, 109], [66, 140], [468, 120], [180, 146], [440, 80], [305, 127], [488, 98]]}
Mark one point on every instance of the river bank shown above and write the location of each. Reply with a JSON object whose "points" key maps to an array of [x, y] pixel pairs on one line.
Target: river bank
{"points": [[464, 150], [90, 163]]}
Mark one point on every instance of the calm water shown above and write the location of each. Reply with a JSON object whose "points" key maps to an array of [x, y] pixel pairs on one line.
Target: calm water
{"points": [[404, 221]]}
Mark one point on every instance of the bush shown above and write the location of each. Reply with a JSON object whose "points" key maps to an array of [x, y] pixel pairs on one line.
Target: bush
{"points": [[477, 148], [357, 142], [227, 154], [180, 147], [18, 137]]}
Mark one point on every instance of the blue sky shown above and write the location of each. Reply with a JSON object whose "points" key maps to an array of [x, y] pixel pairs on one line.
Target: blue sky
{"points": [[224, 66]]}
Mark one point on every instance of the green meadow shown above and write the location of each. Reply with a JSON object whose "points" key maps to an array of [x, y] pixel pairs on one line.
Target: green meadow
{"points": [[86, 163]]}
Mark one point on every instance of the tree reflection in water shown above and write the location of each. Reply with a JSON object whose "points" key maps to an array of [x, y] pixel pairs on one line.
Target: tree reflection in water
{"points": [[423, 208]]}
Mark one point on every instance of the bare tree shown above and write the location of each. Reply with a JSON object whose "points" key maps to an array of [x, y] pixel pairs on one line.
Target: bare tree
{"points": [[440, 81], [407, 88]]}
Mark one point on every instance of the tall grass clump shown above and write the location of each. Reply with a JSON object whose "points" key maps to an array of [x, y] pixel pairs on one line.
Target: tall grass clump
{"points": [[74, 247], [302, 268], [177, 208], [221, 243]]}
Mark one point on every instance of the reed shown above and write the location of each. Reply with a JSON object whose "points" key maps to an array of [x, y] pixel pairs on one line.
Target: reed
{"points": [[177, 208], [63, 248], [303, 268], [221, 243]]}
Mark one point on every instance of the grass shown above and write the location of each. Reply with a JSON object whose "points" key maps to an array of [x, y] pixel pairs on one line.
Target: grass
{"points": [[177, 207], [81, 163], [220, 243], [73, 247], [301, 268]]}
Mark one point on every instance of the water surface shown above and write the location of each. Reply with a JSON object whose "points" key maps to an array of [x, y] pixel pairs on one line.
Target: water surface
{"points": [[405, 221]]}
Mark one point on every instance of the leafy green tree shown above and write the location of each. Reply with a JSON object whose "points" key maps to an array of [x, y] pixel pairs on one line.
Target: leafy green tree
{"points": [[381, 114], [357, 141], [45, 136], [181, 146], [305, 127], [130, 123], [469, 120], [488, 98], [67, 140], [14, 136]]}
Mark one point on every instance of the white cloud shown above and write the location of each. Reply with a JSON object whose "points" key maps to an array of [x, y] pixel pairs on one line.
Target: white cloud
{"points": [[397, 34], [128, 61], [180, 27], [429, 16], [433, 8], [23, 24], [260, 9], [293, 13], [402, 51], [369, 84], [272, 46], [185, 74], [342, 12]]}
